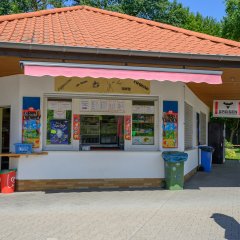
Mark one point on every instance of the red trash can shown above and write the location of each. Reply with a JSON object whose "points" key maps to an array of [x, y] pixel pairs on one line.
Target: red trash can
{"points": [[7, 180]]}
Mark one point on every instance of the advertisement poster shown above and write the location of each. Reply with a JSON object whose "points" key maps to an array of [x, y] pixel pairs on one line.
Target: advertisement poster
{"points": [[226, 108], [127, 124], [31, 115], [59, 131], [76, 127], [170, 124]]}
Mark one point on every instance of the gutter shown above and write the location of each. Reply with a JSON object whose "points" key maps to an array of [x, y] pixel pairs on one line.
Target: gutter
{"points": [[118, 52]]}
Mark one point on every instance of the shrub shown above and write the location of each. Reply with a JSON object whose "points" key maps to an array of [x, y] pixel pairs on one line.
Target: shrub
{"points": [[230, 153], [228, 144]]}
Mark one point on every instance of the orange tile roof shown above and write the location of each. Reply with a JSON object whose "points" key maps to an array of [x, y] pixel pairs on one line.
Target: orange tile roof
{"points": [[84, 26]]}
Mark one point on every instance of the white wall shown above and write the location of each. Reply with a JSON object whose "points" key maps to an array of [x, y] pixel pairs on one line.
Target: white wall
{"points": [[93, 164], [10, 97], [105, 164]]}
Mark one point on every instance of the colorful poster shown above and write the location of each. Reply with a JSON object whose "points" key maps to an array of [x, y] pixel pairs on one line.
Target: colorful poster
{"points": [[127, 125], [59, 133], [170, 124], [31, 115], [76, 127]]}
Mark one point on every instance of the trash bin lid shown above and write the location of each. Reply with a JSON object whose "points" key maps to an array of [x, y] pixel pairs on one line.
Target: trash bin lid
{"points": [[4, 171], [174, 156], [206, 148]]}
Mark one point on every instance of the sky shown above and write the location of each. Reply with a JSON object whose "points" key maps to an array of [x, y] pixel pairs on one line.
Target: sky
{"points": [[212, 8]]}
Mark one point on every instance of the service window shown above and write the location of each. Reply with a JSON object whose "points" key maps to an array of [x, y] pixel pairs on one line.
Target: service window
{"points": [[102, 131], [143, 122], [59, 122]]}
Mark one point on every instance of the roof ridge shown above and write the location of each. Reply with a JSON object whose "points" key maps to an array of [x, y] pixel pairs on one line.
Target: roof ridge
{"points": [[13, 17]]}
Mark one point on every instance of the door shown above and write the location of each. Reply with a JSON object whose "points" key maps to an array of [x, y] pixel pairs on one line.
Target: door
{"points": [[216, 140], [4, 135]]}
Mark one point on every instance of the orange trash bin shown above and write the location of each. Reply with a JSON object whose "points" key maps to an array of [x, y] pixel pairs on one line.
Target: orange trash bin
{"points": [[7, 180]]}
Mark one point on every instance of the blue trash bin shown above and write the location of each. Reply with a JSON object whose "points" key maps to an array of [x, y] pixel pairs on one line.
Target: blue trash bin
{"points": [[206, 158]]}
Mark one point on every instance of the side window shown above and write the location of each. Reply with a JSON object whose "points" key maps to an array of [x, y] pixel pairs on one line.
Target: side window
{"points": [[203, 128], [197, 128], [143, 123], [188, 127]]}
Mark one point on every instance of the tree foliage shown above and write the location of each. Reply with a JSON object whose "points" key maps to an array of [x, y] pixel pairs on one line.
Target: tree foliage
{"points": [[231, 21], [16, 6]]}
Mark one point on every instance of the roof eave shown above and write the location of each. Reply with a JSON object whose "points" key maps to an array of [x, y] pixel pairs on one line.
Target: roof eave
{"points": [[120, 52]]}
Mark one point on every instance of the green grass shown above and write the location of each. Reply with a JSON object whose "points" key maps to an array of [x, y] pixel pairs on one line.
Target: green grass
{"points": [[237, 157]]}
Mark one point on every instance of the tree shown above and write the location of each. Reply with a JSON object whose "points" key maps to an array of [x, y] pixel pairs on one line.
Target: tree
{"points": [[16, 6], [231, 21]]}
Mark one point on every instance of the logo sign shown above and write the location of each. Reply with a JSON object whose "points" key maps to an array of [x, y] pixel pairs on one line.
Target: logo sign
{"points": [[226, 108]]}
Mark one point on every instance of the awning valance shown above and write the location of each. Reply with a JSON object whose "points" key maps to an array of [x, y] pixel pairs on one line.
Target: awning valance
{"points": [[121, 72]]}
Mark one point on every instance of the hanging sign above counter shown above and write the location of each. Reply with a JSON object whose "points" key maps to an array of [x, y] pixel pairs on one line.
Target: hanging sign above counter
{"points": [[102, 105], [226, 108]]}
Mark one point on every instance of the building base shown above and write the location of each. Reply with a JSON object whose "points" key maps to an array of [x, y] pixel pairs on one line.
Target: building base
{"points": [[71, 184]]}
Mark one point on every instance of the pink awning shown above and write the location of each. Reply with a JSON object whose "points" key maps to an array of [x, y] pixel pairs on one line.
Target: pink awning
{"points": [[121, 72]]}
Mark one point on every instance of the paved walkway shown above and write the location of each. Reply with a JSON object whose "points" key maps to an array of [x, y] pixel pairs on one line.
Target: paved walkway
{"points": [[209, 208]]}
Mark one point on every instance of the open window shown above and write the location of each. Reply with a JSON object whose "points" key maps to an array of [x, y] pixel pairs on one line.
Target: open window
{"points": [[102, 131]]}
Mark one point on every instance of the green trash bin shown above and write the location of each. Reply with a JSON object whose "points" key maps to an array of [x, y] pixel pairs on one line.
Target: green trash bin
{"points": [[174, 169]]}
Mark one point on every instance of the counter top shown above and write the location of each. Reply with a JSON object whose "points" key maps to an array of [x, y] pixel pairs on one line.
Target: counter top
{"points": [[18, 155]]}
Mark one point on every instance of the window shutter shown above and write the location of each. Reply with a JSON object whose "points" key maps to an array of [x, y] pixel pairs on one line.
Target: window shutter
{"points": [[203, 128], [188, 127]]}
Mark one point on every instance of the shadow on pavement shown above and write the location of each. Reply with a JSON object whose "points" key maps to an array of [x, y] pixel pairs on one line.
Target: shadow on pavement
{"points": [[231, 226], [222, 175]]}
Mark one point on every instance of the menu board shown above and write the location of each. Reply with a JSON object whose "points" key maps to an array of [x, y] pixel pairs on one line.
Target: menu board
{"points": [[100, 105], [31, 115], [59, 108], [143, 109], [59, 133], [170, 124]]}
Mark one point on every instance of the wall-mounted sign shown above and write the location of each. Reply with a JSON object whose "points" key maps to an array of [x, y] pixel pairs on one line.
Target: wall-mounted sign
{"points": [[102, 85], [226, 108], [31, 115], [170, 124], [76, 126], [127, 127]]}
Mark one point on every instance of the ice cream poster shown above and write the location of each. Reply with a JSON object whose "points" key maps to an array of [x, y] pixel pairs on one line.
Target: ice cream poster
{"points": [[59, 133], [170, 124], [31, 115], [127, 124], [76, 126]]}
